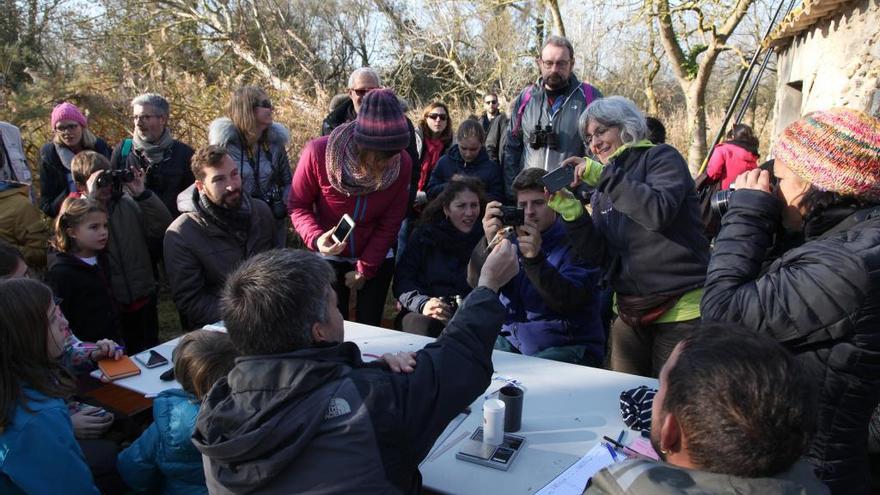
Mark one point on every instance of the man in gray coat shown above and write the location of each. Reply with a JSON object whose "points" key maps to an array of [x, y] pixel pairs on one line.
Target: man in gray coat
{"points": [[543, 127], [218, 228]]}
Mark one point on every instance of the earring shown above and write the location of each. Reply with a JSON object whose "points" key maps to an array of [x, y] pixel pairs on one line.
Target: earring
{"points": [[664, 452]]}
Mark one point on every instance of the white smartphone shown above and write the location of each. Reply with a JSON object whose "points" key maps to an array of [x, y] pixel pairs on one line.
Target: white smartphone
{"points": [[343, 229]]}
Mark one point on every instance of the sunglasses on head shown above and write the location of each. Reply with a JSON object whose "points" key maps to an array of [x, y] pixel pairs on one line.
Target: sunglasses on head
{"points": [[263, 104], [437, 116]]}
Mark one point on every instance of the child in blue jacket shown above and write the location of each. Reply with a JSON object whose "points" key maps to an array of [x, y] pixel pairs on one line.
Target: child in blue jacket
{"points": [[163, 459]]}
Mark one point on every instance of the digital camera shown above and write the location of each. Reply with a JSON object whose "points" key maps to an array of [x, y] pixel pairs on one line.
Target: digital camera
{"points": [[512, 216]]}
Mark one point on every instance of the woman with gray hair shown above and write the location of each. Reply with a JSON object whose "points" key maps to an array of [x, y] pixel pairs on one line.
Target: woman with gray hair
{"points": [[644, 230]]}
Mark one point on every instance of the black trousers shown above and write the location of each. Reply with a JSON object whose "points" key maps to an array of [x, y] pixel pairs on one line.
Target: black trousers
{"points": [[370, 303], [140, 329]]}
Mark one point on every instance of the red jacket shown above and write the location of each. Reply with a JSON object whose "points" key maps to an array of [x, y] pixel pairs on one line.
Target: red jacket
{"points": [[729, 160], [316, 206]]}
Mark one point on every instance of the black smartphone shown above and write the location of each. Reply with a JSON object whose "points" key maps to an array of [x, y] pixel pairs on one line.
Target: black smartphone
{"points": [[151, 359], [559, 178], [343, 229]]}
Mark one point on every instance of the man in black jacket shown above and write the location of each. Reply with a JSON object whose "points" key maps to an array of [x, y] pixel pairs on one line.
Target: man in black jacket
{"points": [[302, 413]]}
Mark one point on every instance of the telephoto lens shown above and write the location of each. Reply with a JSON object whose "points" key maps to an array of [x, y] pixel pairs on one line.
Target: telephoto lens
{"points": [[720, 201]]}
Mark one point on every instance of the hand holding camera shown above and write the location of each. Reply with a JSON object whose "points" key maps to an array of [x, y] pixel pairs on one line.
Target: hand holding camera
{"points": [[438, 309], [136, 186], [529, 240]]}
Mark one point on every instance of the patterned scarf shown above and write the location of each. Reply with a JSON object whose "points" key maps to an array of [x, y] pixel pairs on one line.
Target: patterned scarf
{"points": [[154, 152], [343, 169], [235, 222]]}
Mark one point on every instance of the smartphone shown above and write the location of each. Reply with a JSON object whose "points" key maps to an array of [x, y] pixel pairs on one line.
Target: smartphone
{"points": [[343, 229], [559, 178], [151, 359]]}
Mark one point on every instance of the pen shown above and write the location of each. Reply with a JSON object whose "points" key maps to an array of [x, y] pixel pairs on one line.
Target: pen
{"points": [[91, 346], [624, 448]]}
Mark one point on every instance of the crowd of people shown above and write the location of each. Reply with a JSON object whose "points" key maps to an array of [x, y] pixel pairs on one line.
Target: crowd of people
{"points": [[765, 337]]}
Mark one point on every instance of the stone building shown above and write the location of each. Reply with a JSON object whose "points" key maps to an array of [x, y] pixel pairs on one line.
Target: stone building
{"points": [[828, 55]]}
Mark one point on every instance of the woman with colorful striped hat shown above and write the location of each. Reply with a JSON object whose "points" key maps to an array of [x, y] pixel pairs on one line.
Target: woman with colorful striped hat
{"points": [[820, 299]]}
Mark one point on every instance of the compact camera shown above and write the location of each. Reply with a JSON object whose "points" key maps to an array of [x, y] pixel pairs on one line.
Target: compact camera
{"points": [[452, 301], [540, 138], [512, 216], [115, 178]]}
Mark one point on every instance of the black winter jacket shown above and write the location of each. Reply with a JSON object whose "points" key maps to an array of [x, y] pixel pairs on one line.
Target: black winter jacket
{"points": [[434, 264], [53, 177], [87, 300], [645, 231], [483, 168], [319, 421], [170, 177], [822, 301]]}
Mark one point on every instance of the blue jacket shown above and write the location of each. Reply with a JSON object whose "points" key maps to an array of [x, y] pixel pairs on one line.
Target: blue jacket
{"points": [[553, 301], [164, 457], [434, 264], [38, 452], [483, 168]]}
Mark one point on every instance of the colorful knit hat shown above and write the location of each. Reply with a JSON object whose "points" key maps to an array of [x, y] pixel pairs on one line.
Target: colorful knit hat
{"points": [[68, 111], [835, 150], [380, 122]]}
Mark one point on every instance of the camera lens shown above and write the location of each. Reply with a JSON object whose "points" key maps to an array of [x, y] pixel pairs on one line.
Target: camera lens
{"points": [[720, 202]]}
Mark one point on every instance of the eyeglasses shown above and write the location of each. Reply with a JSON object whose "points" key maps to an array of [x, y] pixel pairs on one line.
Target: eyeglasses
{"points": [[138, 118], [437, 116], [549, 64], [600, 131], [491, 102], [66, 127], [361, 92], [263, 104]]}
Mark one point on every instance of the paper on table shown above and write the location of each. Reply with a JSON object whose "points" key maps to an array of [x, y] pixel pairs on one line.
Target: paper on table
{"points": [[573, 480], [643, 446]]}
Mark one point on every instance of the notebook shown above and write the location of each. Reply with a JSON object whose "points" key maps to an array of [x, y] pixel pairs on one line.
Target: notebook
{"points": [[116, 369]]}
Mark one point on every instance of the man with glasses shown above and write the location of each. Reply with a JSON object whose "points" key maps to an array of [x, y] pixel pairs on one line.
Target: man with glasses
{"points": [[543, 123], [360, 82], [491, 111], [165, 160]]}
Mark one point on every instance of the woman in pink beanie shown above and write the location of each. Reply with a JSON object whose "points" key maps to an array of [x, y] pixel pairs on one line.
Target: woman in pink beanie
{"points": [[820, 297], [71, 136]]}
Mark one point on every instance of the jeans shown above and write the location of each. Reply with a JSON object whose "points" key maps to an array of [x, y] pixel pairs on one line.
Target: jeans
{"points": [[573, 354]]}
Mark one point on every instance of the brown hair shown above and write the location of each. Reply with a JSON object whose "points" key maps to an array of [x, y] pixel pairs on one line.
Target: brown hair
{"points": [[241, 112], [85, 163], [446, 135], [24, 359], [457, 184], [201, 358], [471, 128], [73, 212], [374, 162], [210, 156]]}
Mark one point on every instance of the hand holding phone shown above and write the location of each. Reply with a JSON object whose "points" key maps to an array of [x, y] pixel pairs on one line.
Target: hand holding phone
{"points": [[343, 229]]}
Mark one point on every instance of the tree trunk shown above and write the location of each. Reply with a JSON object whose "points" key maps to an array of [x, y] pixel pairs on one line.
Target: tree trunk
{"points": [[558, 25], [695, 99]]}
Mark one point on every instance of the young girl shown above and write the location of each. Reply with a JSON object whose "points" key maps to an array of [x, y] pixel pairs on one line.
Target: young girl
{"points": [[468, 157], [163, 459], [40, 453], [79, 275]]}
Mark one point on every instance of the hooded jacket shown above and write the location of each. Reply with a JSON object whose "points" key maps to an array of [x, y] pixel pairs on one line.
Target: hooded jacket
{"points": [[483, 168], [645, 229], [258, 174], [820, 300], [638, 477], [21, 224], [199, 255], [163, 459], [320, 421]]}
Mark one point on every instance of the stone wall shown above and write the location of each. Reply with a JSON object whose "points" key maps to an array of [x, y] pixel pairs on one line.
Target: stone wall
{"points": [[836, 62]]}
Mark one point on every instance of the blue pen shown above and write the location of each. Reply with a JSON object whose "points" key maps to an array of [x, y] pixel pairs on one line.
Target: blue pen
{"points": [[610, 450], [621, 436]]}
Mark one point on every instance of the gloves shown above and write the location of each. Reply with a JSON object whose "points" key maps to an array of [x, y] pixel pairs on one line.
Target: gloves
{"points": [[564, 203], [592, 171]]}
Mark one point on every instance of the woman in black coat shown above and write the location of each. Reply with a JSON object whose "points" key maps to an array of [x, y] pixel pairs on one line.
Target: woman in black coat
{"points": [[432, 273], [72, 135], [821, 299]]}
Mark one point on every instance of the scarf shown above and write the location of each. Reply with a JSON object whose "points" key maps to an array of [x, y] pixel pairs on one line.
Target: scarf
{"points": [[343, 169], [236, 222], [154, 152], [66, 155], [433, 150], [448, 238]]}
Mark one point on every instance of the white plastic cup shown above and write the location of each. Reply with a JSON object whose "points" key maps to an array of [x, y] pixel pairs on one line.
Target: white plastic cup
{"points": [[493, 422]]}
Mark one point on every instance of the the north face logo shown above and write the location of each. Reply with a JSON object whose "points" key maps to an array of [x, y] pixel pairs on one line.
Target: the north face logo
{"points": [[338, 407]]}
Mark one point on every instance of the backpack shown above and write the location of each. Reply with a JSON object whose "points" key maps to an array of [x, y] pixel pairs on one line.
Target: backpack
{"points": [[526, 96]]}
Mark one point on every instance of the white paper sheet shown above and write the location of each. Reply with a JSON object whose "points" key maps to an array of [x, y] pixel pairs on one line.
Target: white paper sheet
{"points": [[573, 480]]}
